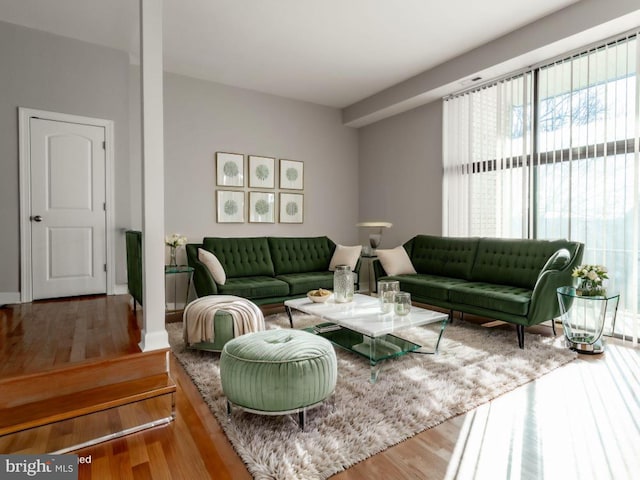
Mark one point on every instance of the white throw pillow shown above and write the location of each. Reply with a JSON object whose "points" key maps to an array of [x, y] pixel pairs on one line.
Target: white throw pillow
{"points": [[345, 256], [395, 261], [214, 266]]}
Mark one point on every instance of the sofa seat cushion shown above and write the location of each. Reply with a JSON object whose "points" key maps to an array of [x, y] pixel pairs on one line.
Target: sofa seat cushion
{"points": [[427, 286], [254, 287], [504, 298], [303, 282]]}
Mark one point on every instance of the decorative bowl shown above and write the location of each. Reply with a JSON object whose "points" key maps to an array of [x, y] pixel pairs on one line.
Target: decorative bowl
{"points": [[319, 296]]}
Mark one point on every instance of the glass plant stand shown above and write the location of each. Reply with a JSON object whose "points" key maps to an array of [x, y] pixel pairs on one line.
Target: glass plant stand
{"points": [[584, 318]]}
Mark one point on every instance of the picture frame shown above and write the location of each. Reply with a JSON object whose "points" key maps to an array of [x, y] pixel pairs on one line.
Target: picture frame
{"points": [[262, 207], [230, 206], [291, 174], [261, 172], [229, 169], [291, 207]]}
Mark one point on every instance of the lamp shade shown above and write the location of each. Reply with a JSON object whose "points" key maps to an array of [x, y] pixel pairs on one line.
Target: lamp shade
{"points": [[375, 238], [374, 224]]}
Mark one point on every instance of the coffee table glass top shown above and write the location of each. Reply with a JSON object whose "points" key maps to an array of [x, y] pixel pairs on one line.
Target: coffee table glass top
{"points": [[363, 315], [360, 327]]}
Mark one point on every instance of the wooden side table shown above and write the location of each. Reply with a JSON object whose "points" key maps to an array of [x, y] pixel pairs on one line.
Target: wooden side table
{"points": [[170, 270]]}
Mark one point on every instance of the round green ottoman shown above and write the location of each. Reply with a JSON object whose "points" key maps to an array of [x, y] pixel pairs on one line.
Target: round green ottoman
{"points": [[278, 372]]}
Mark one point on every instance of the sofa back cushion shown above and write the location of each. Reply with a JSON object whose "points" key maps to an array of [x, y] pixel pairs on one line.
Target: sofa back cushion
{"points": [[241, 257], [300, 254], [443, 256], [516, 262]]}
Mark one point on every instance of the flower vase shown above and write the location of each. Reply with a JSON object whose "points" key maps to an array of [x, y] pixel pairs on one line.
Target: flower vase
{"points": [[172, 257], [588, 288]]}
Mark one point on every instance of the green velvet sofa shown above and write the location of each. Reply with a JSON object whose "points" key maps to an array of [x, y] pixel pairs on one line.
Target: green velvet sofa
{"points": [[512, 280], [134, 265], [266, 270]]}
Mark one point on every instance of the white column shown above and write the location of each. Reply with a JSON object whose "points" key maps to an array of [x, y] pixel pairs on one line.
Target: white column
{"points": [[154, 334]]}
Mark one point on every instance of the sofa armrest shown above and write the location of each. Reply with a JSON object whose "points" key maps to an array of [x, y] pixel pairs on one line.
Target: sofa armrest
{"points": [[202, 280], [556, 273], [378, 271]]}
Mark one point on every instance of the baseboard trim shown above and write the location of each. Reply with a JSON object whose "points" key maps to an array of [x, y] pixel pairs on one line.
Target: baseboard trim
{"points": [[9, 297], [120, 289]]}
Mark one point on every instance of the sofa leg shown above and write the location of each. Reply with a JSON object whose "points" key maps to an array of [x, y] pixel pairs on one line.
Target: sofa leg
{"points": [[553, 326], [520, 332], [450, 316], [290, 315]]}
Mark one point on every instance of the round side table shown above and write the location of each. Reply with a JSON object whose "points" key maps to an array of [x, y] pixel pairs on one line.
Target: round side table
{"points": [[584, 318]]}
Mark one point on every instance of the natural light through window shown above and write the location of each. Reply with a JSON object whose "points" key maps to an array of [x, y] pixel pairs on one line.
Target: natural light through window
{"points": [[553, 153]]}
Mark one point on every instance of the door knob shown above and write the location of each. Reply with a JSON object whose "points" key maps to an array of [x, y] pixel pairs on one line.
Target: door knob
{"points": [[37, 218]]}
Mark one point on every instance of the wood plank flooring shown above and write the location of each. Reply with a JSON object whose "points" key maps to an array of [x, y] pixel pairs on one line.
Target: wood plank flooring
{"points": [[578, 422]]}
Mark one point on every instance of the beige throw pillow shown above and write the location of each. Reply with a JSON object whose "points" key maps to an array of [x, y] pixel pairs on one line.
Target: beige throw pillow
{"points": [[345, 256], [214, 266], [395, 261]]}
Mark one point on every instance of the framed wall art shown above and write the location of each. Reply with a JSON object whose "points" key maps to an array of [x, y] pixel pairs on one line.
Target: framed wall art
{"points": [[229, 169], [230, 206], [291, 174], [291, 207], [262, 207], [261, 172]]}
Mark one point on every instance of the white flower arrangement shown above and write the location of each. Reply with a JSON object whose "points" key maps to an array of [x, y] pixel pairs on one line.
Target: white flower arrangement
{"points": [[591, 277], [175, 240]]}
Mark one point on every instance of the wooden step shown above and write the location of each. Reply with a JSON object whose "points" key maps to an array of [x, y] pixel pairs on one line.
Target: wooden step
{"points": [[56, 382], [64, 407], [74, 406]]}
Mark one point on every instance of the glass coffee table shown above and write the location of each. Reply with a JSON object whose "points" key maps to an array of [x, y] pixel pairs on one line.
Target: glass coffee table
{"points": [[360, 327]]}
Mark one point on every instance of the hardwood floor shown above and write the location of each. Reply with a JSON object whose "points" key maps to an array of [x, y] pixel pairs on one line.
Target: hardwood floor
{"points": [[578, 422]]}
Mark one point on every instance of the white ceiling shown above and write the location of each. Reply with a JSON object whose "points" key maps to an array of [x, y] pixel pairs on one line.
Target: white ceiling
{"points": [[330, 52]]}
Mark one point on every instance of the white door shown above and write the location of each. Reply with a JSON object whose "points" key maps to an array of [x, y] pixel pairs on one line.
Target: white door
{"points": [[68, 245]]}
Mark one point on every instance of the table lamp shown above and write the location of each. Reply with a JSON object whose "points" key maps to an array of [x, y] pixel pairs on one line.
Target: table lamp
{"points": [[375, 237]]}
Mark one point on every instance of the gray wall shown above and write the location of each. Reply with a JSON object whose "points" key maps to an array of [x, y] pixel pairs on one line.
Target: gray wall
{"points": [[202, 118], [50, 72], [401, 173]]}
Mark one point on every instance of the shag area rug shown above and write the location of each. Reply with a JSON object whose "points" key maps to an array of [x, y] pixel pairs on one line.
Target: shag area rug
{"points": [[413, 393]]}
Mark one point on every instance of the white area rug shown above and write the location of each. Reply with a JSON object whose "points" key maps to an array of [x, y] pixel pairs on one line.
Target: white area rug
{"points": [[413, 393]]}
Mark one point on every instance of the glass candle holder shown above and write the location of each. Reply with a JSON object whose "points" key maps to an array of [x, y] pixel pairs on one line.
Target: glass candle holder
{"points": [[402, 303], [386, 293]]}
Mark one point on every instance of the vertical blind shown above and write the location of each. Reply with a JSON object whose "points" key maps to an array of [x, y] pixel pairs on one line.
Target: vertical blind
{"points": [[554, 153]]}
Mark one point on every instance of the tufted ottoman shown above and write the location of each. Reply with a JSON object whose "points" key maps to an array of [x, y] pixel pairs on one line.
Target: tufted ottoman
{"points": [[278, 372]]}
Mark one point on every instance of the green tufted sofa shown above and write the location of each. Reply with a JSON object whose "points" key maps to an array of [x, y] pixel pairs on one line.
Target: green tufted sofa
{"points": [[513, 280], [266, 270]]}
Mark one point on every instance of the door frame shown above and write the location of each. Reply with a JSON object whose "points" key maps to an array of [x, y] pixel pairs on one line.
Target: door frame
{"points": [[24, 133]]}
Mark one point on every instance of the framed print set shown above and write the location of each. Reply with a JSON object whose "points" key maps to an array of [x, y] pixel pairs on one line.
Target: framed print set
{"points": [[234, 204]]}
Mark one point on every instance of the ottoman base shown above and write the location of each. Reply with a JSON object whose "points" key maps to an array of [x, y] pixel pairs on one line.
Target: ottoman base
{"points": [[302, 412]]}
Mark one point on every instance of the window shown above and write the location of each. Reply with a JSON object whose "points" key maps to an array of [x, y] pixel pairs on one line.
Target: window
{"points": [[553, 153]]}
